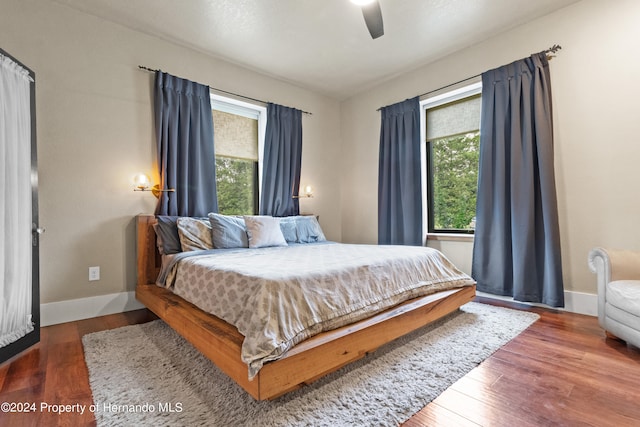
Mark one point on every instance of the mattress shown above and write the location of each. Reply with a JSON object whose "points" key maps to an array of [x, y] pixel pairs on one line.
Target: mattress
{"points": [[280, 296]]}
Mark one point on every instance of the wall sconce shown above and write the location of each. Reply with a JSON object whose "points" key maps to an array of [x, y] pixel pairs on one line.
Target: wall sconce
{"points": [[142, 183], [308, 192]]}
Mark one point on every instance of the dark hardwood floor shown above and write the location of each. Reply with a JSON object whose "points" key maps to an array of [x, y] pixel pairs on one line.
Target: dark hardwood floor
{"points": [[560, 371]]}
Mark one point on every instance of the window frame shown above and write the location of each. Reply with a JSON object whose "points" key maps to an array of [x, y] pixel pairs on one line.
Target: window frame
{"points": [[466, 91], [252, 111]]}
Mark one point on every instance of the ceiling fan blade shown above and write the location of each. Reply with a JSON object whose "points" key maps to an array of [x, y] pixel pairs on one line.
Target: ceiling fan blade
{"points": [[373, 18]]}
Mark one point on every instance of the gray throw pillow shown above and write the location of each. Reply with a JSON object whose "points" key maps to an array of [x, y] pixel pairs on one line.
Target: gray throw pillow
{"points": [[167, 232]]}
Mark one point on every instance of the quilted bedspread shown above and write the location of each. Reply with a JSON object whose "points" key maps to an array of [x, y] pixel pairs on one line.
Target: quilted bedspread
{"points": [[280, 296]]}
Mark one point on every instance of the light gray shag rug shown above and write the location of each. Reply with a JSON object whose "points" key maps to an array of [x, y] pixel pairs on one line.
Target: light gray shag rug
{"points": [[148, 375]]}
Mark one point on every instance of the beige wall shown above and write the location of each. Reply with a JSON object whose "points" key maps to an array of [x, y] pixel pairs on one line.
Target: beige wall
{"points": [[594, 84], [95, 130]]}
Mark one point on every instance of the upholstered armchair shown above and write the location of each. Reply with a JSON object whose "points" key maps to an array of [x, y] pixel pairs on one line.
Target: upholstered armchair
{"points": [[618, 277]]}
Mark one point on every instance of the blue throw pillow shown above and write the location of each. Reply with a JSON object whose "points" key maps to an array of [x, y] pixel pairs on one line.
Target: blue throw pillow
{"points": [[228, 231], [301, 229], [309, 230], [288, 227]]}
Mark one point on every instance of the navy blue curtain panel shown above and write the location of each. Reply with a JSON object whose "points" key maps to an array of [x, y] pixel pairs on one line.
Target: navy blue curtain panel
{"points": [[399, 175], [516, 248], [281, 162], [186, 156]]}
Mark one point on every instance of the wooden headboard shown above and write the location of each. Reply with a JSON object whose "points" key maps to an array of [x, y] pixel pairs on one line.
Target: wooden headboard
{"points": [[149, 260]]}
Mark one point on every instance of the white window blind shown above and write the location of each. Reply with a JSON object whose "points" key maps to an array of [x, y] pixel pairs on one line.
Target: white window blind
{"points": [[454, 118], [235, 135]]}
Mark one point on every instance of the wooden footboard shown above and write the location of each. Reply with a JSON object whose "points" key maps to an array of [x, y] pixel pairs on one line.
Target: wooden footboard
{"points": [[306, 362]]}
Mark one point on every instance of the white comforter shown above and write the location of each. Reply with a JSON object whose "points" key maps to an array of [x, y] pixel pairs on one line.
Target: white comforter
{"points": [[278, 297]]}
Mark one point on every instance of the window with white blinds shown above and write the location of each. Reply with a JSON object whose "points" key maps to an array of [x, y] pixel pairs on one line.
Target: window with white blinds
{"points": [[237, 130], [451, 143]]}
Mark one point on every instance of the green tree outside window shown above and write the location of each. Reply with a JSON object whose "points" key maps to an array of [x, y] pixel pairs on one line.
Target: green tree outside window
{"points": [[236, 183], [455, 179]]}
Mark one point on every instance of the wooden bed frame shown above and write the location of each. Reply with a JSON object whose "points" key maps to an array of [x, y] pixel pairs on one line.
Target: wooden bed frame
{"points": [[306, 362]]}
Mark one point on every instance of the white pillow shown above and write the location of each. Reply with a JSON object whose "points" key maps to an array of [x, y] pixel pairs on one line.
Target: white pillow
{"points": [[264, 231]]}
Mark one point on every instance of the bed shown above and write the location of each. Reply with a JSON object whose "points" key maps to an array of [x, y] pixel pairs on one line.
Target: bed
{"points": [[307, 358]]}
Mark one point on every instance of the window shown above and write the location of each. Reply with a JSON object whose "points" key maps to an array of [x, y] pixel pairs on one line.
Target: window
{"points": [[239, 137], [451, 141]]}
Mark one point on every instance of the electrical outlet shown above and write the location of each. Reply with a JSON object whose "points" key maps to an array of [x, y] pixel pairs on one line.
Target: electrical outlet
{"points": [[94, 273]]}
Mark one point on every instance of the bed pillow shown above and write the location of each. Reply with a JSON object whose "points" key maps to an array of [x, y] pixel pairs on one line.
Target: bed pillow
{"points": [[307, 229], [167, 232], [228, 231], [264, 231], [288, 228], [194, 233]]}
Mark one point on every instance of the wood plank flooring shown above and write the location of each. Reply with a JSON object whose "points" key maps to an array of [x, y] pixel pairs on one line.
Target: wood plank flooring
{"points": [[562, 371]]}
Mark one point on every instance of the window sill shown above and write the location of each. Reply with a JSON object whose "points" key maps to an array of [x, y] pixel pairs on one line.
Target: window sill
{"points": [[450, 237]]}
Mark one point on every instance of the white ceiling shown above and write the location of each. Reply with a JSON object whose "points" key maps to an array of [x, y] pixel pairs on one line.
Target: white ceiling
{"points": [[322, 45]]}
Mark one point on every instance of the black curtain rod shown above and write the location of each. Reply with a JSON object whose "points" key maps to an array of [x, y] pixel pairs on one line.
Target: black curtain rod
{"points": [[142, 67], [553, 49]]}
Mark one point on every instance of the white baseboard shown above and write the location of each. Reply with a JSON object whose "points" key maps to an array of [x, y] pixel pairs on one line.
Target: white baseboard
{"points": [[574, 302], [84, 308], [581, 303]]}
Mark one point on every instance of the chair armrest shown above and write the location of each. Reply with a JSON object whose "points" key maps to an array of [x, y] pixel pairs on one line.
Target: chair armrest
{"points": [[610, 265], [621, 265]]}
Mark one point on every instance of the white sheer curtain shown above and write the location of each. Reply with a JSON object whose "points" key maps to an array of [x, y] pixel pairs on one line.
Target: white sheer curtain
{"points": [[15, 202]]}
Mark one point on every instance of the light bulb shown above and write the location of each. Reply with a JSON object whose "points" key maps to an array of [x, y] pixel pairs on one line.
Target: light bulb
{"points": [[141, 181]]}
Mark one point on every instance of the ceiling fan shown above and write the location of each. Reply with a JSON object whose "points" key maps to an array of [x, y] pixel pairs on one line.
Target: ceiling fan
{"points": [[372, 16]]}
